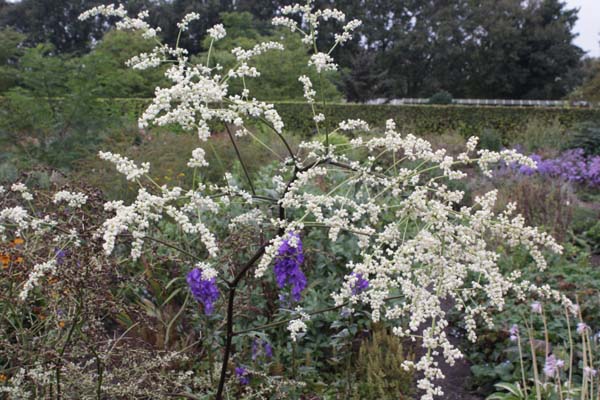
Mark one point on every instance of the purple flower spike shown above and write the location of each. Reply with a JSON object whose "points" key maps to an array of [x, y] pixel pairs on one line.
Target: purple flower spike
{"points": [[268, 350], [287, 266], [242, 375], [204, 291], [360, 285]]}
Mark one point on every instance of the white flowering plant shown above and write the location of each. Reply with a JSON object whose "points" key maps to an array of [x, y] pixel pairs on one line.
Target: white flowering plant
{"points": [[417, 245]]}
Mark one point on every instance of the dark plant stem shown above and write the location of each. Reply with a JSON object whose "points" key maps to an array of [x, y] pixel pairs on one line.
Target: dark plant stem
{"points": [[232, 285], [239, 156], [229, 325], [62, 352]]}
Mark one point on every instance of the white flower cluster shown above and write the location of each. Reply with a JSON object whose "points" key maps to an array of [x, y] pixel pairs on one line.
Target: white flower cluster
{"points": [[137, 218], [185, 22], [297, 327], [125, 166], [353, 125], [322, 62], [198, 158], [125, 22], [246, 55], [286, 22], [309, 92], [207, 271], [75, 200], [39, 270], [346, 34], [21, 188], [217, 32]]}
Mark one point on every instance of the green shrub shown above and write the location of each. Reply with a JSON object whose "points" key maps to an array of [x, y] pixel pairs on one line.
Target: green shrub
{"points": [[541, 133], [490, 139], [586, 136], [379, 368], [441, 97]]}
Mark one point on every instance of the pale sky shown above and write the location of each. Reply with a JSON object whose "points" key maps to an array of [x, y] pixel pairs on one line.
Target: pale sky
{"points": [[588, 25]]}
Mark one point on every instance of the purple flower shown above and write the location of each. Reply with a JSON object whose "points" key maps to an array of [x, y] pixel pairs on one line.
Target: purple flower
{"points": [[60, 255], [287, 265], [572, 166], [261, 346], [204, 291], [552, 366], [243, 375], [268, 350], [360, 284]]}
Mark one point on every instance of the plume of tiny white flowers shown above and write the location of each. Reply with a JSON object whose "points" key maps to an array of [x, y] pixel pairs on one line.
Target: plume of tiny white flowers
{"points": [[125, 166], [39, 270], [217, 32], [198, 158], [75, 200], [185, 22], [21, 188]]}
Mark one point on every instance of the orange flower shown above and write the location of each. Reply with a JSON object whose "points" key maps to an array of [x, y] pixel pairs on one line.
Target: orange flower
{"points": [[18, 241], [19, 260], [4, 260], [61, 324], [3, 378]]}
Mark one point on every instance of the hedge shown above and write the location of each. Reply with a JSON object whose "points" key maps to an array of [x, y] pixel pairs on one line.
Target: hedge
{"points": [[423, 119], [467, 120]]}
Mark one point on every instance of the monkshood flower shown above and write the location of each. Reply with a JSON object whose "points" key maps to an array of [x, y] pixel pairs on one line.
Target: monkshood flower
{"points": [[360, 284], [204, 291], [242, 375], [287, 265], [552, 366]]}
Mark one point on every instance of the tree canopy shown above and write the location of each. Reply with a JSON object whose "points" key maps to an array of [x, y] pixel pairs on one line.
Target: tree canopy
{"points": [[407, 48]]}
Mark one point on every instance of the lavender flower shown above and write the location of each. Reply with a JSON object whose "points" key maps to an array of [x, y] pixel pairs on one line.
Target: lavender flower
{"points": [[552, 366], [243, 375], [287, 266], [536, 307], [360, 284], [204, 291]]}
